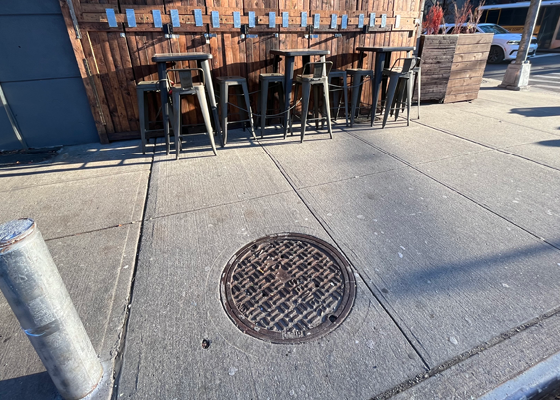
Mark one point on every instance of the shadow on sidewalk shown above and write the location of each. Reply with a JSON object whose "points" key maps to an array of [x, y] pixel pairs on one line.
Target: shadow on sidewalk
{"points": [[537, 111], [30, 387], [550, 143]]}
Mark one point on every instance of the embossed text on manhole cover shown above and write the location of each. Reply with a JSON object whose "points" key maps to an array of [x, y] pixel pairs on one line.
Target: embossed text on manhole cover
{"points": [[287, 288]]}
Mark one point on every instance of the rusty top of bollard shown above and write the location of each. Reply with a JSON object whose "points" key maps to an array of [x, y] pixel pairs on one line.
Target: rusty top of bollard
{"points": [[15, 231]]}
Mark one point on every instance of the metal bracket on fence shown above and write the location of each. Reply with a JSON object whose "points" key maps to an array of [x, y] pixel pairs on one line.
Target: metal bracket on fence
{"points": [[175, 20], [252, 36], [285, 19], [334, 21], [130, 18], [251, 19], [383, 20], [198, 17], [36, 293], [236, 19], [215, 19], [317, 21], [157, 19], [111, 17], [344, 23], [361, 21], [304, 19], [272, 19]]}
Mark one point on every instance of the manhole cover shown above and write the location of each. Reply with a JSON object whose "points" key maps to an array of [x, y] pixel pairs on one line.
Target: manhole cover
{"points": [[287, 288]]}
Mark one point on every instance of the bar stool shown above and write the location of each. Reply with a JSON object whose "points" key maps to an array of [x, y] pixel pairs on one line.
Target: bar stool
{"points": [[187, 87], [317, 74], [358, 75], [277, 79], [336, 95], [240, 85], [399, 92], [416, 79], [143, 88]]}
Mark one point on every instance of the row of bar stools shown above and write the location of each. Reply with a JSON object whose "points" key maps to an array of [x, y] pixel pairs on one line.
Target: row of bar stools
{"points": [[240, 85], [142, 89], [357, 78], [277, 81], [337, 98], [187, 87]]}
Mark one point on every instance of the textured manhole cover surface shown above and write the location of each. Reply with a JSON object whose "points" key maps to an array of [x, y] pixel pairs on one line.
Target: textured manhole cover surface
{"points": [[287, 288]]}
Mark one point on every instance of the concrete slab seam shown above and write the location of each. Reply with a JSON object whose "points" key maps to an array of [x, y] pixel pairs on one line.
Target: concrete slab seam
{"points": [[328, 232], [461, 194], [467, 354], [92, 231], [503, 151], [119, 357]]}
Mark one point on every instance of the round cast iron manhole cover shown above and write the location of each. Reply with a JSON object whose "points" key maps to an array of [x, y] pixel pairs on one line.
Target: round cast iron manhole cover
{"points": [[287, 288]]}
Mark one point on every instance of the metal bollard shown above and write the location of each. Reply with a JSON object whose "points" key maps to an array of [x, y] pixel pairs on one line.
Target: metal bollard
{"points": [[30, 282]]}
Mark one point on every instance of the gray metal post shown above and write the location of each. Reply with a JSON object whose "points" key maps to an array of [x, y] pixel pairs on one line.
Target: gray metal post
{"points": [[517, 73], [32, 285]]}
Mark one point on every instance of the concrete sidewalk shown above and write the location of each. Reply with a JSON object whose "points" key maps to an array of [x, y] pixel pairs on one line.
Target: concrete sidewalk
{"points": [[450, 226]]}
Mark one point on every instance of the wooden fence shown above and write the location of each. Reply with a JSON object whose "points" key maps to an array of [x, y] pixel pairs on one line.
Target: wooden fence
{"points": [[113, 60]]}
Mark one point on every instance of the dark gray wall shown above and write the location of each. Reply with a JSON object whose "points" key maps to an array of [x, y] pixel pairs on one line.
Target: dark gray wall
{"points": [[40, 78]]}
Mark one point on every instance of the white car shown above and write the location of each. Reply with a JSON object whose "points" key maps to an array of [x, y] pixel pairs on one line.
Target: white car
{"points": [[504, 44]]}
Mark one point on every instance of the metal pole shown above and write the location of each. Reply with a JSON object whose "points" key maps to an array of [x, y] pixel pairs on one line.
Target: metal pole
{"points": [[30, 282], [12, 119], [528, 29], [517, 73]]}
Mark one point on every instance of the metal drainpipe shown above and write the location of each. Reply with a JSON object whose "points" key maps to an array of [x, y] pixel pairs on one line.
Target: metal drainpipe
{"points": [[32, 285], [12, 119]]}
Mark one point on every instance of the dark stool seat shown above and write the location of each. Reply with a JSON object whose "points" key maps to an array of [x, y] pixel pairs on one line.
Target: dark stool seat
{"points": [[240, 85]]}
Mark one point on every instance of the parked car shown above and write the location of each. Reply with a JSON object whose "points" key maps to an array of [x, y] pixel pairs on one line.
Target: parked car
{"points": [[504, 44]]}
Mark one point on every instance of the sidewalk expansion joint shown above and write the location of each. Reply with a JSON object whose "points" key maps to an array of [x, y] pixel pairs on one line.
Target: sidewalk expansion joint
{"points": [[328, 232], [466, 355], [93, 231], [487, 208], [119, 357], [14, 189], [503, 151], [264, 196]]}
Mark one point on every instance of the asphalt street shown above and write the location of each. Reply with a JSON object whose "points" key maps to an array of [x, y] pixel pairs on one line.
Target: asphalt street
{"points": [[545, 71]]}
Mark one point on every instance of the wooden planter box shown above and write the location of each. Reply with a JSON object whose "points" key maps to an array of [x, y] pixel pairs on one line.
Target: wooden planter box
{"points": [[453, 65]]}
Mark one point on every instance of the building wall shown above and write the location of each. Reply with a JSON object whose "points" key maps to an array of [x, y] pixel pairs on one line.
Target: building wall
{"points": [[40, 78]]}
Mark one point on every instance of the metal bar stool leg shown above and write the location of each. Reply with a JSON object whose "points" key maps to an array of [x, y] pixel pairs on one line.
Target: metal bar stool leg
{"points": [[327, 106], [224, 93], [264, 105], [345, 90], [248, 108], [141, 97], [306, 89], [206, 115], [418, 84], [355, 99], [176, 122], [409, 87], [316, 106], [389, 99]]}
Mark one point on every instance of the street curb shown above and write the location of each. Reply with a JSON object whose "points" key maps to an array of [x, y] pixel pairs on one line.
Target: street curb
{"points": [[533, 384]]}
